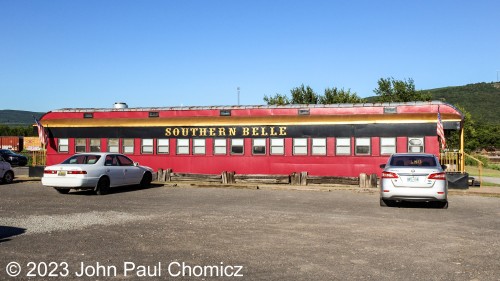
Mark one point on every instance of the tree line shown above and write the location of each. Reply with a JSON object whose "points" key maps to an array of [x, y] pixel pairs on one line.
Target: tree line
{"points": [[18, 131]]}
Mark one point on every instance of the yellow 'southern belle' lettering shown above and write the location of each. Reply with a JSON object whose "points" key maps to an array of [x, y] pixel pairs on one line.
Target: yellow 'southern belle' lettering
{"points": [[263, 131], [246, 131], [225, 131], [194, 131], [203, 132], [175, 132], [211, 131], [282, 131], [222, 132], [255, 131]]}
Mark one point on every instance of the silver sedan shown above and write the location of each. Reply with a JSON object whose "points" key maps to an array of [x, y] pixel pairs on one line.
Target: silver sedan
{"points": [[413, 177]]}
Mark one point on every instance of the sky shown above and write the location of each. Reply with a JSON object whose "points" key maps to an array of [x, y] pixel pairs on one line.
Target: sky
{"points": [[160, 53]]}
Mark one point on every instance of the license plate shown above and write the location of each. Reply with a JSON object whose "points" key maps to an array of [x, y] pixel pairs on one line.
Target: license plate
{"points": [[412, 179], [61, 173]]}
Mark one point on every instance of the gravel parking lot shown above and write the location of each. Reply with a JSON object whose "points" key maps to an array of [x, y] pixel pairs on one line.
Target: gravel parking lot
{"points": [[170, 233]]}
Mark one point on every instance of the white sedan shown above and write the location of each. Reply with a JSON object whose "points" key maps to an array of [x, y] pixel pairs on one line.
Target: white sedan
{"points": [[96, 171]]}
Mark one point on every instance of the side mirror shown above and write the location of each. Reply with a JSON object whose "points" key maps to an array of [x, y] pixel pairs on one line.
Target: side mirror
{"points": [[444, 167], [382, 166], [136, 164]]}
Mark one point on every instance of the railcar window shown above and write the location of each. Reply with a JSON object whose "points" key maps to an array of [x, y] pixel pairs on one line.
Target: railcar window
{"points": [[318, 146], [80, 145], [182, 146], [147, 146], [363, 146], [300, 146], [163, 146], [343, 146], [415, 145], [199, 146], [113, 145], [277, 146], [128, 146], [237, 146], [220, 146], [387, 146], [63, 145], [95, 145], [259, 147]]}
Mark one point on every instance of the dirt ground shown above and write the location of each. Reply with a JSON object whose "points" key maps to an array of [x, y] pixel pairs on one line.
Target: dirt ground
{"points": [[187, 233]]}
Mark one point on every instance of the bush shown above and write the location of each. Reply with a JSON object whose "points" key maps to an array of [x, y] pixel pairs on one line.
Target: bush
{"points": [[494, 166], [471, 162]]}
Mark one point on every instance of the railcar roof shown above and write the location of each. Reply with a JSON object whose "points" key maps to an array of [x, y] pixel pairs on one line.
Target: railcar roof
{"points": [[236, 107]]}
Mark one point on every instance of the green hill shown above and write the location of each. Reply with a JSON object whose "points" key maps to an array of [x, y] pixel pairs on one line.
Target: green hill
{"points": [[481, 100], [18, 117]]}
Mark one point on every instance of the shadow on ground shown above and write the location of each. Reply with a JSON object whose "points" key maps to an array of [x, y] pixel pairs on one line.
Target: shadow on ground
{"points": [[9, 231]]}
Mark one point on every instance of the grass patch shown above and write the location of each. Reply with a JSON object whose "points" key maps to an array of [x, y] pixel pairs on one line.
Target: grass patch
{"points": [[474, 171]]}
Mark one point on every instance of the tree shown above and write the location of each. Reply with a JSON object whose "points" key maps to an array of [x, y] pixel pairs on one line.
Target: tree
{"points": [[470, 135], [392, 90], [304, 95], [334, 95], [277, 99]]}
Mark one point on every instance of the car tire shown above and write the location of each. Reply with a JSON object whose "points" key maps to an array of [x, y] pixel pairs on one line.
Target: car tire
{"points": [[146, 180], [8, 177], [442, 205], [383, 203], [62, 190], [102, 187], [387, 203]]}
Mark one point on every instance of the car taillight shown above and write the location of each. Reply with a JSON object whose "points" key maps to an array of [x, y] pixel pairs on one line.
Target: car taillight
{"points": [[77, 172], [50, 172], [389, 175], [437, 176]]}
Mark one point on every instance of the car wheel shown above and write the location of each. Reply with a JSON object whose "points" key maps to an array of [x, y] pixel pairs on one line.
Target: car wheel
{"points": [[102, 187], [383, 203], [8, 177], [62, 190], [442, 204], [146, 180]]}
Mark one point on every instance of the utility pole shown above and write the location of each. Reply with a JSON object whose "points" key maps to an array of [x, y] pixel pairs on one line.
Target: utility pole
{"points": [[238, 90]]}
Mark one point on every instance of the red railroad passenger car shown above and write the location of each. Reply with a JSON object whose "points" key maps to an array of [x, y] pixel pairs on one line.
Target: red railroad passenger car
{"points": [[323, 140]]}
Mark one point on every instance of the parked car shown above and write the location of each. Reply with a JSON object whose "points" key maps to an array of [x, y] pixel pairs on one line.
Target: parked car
{"points": [[96, 171], [13, 158], [413, 177], [6, 172]]}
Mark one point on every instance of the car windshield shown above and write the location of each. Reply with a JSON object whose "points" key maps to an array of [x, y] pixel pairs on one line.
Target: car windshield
{"points": [[82, 159], [413, 161]]}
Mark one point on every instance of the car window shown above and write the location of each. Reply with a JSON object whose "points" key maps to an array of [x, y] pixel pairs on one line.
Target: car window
{"points": [[413, 161], [125, 161], [111, 161], [82, 159]]}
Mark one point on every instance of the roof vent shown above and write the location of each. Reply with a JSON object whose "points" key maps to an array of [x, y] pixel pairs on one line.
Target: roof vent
{"points": [[120, 105]]}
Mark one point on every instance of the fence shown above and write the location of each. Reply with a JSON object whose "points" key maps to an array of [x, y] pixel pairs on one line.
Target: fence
{"points": [[38, 158], [452, 160]]}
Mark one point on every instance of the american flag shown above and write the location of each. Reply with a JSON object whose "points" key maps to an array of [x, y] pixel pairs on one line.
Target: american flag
{"points": [[440, 131], [42, 135]]}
